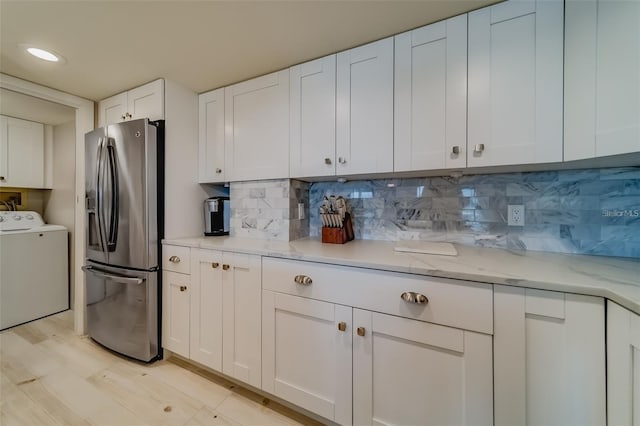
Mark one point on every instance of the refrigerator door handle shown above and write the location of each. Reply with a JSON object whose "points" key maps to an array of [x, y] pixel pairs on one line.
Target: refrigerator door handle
{"points": [[112, 234], [99, 211], [112, 277]]}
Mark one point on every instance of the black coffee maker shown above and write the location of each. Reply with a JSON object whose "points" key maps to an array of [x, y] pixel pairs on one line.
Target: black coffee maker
{"points": [[217, 214]]}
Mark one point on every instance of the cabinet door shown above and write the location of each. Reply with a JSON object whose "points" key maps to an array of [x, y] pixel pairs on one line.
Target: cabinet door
{"points": [[313, 118], [206, 308], [241, 317], [147, 101], [430, 115], [112, 110], [602, 78], [623, 366], [549, 362], [175, 312], [411, 372], [211, 137], [364, 110], [257, 128], [515, 83], [21, 153], [306, 357]]}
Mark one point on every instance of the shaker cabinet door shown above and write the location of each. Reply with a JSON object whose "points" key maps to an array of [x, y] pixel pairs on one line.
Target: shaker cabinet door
{"points": [[602, 78], [364, 121], [313, 118], [623, 366], [21, 153], [306, 354], [549, 360], [408, 372], [430, 114], [146, 101], [211, 137], [206, 308], [241, 317], [176, 293], [515, 83], [257, 128]]}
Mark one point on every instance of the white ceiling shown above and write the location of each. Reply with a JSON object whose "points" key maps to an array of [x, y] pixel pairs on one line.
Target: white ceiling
{"points": [[111, 46]]}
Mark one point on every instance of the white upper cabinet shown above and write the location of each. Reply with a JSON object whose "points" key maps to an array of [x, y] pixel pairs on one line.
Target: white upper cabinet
{"points": [[602, 78], [211, 137], [313, 118], [430, 112], [257, 128], [515, 83], [21, 153], [364, 110], [146, 101]]}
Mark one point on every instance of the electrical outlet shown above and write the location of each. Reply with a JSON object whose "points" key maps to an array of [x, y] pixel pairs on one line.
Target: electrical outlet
{"points": [[516, 215]]}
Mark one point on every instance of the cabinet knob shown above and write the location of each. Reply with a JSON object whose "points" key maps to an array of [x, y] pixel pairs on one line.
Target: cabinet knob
{"points": [[479, 147], [1, 177], [302, 279], [455, 150], [342, 326], [214, 265], [128, 115], [218, 171], [123, 117], [342, 160], [225, 267], [412, 297], [183, 288], [360, 331], [327, 161], [174, 259]]}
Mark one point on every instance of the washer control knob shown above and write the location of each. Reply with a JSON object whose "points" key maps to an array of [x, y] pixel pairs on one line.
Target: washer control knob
{"points": [[29, 217], [1, 219], [17, 217]]}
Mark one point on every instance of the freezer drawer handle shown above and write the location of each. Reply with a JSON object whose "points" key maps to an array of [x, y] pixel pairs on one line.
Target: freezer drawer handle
{"points": [[110, 277], [174, 259]]}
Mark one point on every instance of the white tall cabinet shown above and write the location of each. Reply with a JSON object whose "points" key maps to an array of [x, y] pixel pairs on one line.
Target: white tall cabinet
{"points": [[146, 101], [515, 83], [211, 166], [549, 358], [623, 366], [430, 113], [602, 78], [22, 149], [364, 120], [313, 118], [257, 128]]}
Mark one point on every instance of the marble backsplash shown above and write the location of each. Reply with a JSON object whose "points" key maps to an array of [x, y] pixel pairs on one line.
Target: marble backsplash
{"points": [[595, 211], [268, 209]]}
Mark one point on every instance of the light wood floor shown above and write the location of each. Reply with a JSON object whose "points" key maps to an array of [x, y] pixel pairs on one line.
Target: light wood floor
{"points": [[50, 376]]}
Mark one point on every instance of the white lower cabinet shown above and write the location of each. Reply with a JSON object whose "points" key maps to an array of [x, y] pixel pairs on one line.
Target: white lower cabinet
{"points": [[408, 372], [213, 316], [549, 358], [325, 349], [175, 312], [623, 366], [306, 354]]}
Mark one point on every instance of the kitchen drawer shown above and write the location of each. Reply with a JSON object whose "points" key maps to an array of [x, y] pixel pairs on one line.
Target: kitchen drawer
{"points": [[176, 259], [455, 303]]}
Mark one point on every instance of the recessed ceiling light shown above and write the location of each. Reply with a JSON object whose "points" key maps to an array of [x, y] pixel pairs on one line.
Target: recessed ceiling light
{"points": [[45, 55]]}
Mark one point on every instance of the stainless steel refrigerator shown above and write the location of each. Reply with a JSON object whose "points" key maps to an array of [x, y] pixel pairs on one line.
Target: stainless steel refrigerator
{"points": [[124, 181]]}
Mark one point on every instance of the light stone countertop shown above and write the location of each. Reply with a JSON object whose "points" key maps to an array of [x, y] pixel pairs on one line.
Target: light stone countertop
{"points": [[617, 279]]}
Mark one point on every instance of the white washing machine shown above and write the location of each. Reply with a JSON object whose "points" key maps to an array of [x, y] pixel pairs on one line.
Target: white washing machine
{"points": [[34, 268]]}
